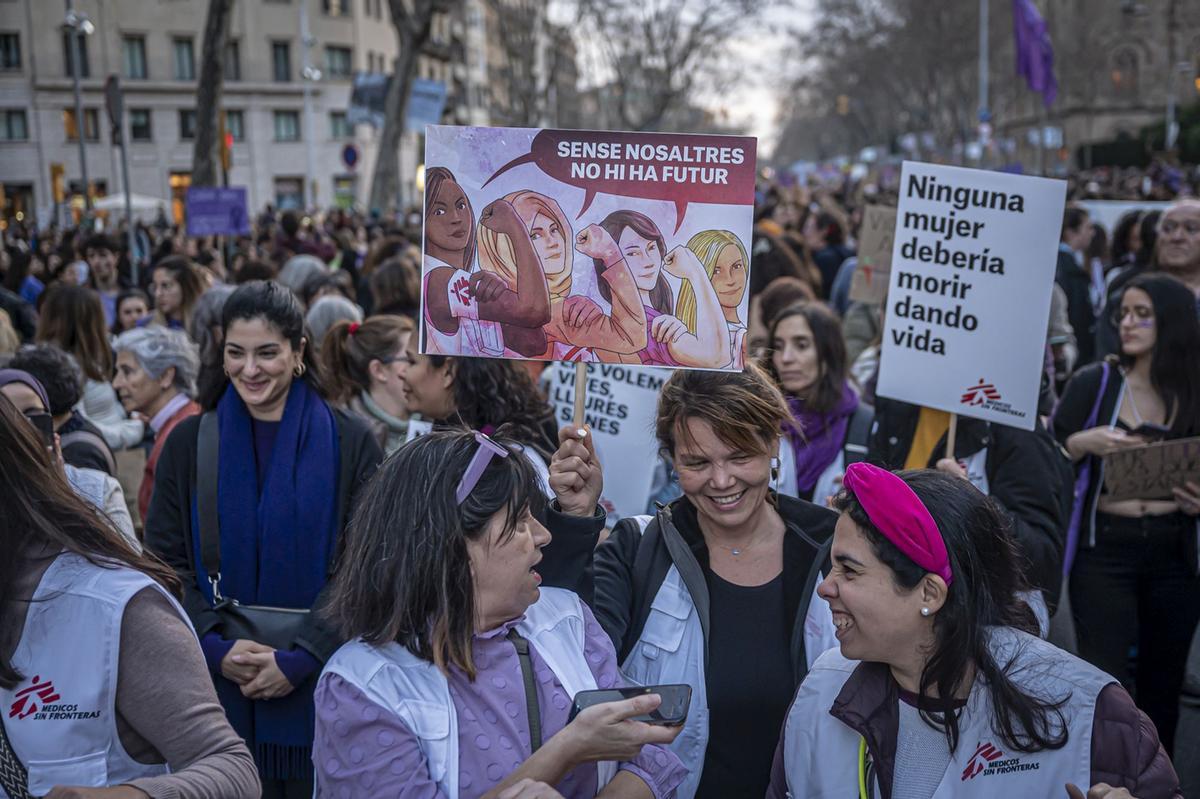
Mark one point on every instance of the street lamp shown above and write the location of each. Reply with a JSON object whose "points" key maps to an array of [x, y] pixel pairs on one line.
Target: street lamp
{"points": [[79, 25]]}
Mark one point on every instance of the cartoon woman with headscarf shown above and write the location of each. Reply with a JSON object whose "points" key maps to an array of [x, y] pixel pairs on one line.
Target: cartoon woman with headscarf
{"points": [[469, 311], [724, 260], [577, 324], [669, 342]]}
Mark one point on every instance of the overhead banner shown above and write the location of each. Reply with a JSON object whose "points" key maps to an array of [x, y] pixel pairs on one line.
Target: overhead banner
{"points": [[620, 409], [969, 295], [594, 246]]}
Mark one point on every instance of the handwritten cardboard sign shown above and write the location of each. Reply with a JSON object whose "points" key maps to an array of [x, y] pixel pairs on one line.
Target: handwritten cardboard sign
{"points": [[1150, 472], [870, 280]]}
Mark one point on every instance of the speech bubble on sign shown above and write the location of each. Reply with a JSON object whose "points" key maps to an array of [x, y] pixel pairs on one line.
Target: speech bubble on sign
{"points": [[654, 166]]}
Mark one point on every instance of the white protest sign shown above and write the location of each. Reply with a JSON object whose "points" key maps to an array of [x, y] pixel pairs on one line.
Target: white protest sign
{"points": [[969, 296], [621, 402]]}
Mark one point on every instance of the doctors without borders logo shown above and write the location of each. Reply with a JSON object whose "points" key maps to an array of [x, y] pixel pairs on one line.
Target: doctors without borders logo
{"points": [[40, 700], [986, 761], [985, 395]]}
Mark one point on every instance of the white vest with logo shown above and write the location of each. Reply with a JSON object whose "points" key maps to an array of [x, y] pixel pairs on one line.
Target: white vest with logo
{"points": [[418, 693], [61, 718], [821, 753]]}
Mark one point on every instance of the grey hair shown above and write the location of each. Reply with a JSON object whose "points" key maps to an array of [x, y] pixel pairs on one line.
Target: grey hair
{"points": [[298, 270], [205, 316], [157, 349], [326, 312]]}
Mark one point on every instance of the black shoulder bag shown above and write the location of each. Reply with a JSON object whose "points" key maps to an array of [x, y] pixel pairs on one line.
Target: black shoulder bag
{"points": [[275, 627]]}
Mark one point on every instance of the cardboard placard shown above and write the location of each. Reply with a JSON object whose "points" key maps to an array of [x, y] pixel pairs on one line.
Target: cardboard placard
{"points": [[969, 295], [870, 281], [593, 246], [620, 409], [1150, 472]]}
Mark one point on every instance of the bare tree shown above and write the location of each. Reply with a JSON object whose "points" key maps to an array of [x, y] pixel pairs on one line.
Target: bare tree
{"points": [[206, 152], [518, 84], [413, 21], [657, 52]]}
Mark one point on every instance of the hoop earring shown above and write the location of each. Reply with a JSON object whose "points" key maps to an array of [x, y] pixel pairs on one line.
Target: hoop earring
{"points": [[300, 369]]}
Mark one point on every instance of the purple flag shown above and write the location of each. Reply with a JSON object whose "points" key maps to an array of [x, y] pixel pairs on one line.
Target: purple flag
{"points": [[1035, 53]]}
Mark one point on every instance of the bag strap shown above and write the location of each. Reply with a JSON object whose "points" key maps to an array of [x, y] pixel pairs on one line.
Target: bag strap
{"points": [[208, 445], [14, 779], [531, 698], [858, 433], [1093, 416], [90, 438]]}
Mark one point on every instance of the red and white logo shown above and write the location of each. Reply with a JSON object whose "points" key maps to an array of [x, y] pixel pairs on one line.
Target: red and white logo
{"points": [[984, 756], [28, 698], [462, 290], [980, 393]]}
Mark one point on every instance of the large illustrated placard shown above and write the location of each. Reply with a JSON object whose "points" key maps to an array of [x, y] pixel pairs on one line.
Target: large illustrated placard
{"points": [[587, 246]]}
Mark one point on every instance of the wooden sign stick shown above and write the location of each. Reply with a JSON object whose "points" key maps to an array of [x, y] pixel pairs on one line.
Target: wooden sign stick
{"points": [[580, 392], [950, 435]]}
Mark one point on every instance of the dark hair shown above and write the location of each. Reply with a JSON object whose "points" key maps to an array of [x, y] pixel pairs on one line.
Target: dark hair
{"points": [[41, 508], [495, 393], [831, 228], [191, 283], [826, 330], [745, 409], [126, 294], [405, 575], [100, 241], [289, 222], [1174, 365], [73, 318], [1148, 228], [434, 178], [396, 287], [771, 258], [781, 293], [1073, 217], [20, 259], [255, 270], [615, 223], [1098, 246], [1120, 237], [383, 251], [339, 281], [346, 357], [278, 307], [56, 371], [987, 579]]}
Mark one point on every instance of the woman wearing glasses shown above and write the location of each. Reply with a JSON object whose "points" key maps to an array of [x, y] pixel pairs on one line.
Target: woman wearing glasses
{"points": [[365, 364], [1134, 579]]}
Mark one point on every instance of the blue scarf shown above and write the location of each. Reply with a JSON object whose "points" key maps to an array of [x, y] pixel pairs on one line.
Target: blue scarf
{"points": [[276, 547]]}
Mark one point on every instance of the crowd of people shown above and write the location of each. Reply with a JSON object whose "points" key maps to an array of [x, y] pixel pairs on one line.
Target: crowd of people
{"points": [[239, 566]]}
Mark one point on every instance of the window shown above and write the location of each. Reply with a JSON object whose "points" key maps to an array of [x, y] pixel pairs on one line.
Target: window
{"points": [[133, 57], [287, 126], [1125, 76], [289, 193], [84, 69], [139, 124], [91, 124], [235, 125], [339, 128], [185, 58], [13, 126], [187, 124], [10, 52], [337, 62], [336, 8], [281, 61], [233, 61]]}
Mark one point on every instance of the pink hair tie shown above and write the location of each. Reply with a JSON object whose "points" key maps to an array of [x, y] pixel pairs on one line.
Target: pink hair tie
{"points": [[894, 508], [354, 326]]}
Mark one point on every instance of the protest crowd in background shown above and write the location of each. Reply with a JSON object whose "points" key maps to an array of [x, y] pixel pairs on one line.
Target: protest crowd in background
{"points": [[289, 360]]}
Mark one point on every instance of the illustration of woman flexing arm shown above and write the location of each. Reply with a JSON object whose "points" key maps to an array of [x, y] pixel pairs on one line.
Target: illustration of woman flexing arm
{"points": [[724, 260]]}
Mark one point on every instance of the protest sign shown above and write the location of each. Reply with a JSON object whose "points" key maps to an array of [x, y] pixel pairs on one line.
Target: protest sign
{"points": [[217, 211], [870, 281], [620, 408], [417, 428], [587, 246], [1150, 472], [969, 296]]}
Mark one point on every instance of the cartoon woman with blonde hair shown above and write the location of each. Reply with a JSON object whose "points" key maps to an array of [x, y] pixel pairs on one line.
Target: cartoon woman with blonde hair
{"points": [[577, 324], [724, 259]]}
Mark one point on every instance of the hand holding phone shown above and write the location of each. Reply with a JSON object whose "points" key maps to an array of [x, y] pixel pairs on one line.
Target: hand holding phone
{"points": [[1150, 432], [613, 729], [671, 712]]}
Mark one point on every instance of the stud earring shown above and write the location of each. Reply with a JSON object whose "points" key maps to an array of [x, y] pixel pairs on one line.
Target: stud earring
{"points": [[924, 611]]}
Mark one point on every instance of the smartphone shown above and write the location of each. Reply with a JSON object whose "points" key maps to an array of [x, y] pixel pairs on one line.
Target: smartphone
{"points": [[1150, 432], [671, 713], [44, 422]]}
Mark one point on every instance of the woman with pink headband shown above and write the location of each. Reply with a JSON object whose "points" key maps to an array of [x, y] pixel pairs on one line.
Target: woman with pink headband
{"points": [[941, 686]]}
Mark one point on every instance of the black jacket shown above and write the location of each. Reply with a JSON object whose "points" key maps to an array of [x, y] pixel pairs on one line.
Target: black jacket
{"points": [[168, 531], [21, 313], [1076, 285], [1026, 471], [631, 566]]}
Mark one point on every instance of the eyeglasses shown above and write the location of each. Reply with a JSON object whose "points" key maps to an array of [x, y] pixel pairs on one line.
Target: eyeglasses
{"points": [[1191, 227], [1142, 316], [403, 358]]}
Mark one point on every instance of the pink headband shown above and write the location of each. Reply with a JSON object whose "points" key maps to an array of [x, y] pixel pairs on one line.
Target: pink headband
{"points": [[900, 515]]}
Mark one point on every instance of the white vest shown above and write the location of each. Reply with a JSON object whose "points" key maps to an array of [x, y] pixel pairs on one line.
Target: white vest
{"points": [[671, 650], [61, 718], [828, 484], [418, 693], [821, 753]]}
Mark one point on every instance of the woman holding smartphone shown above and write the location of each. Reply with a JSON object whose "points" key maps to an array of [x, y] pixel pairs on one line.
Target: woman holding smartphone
{"points": [[460, 671], [1134, 579]]}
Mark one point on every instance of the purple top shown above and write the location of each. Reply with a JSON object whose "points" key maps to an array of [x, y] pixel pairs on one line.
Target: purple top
{"points": [[656, 353], [361, 746]]}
